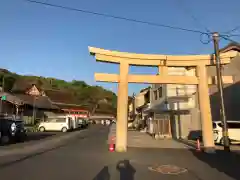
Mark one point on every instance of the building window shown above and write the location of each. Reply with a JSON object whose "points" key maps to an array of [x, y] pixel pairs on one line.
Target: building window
{"points": [[160, 92], [155, 95]]}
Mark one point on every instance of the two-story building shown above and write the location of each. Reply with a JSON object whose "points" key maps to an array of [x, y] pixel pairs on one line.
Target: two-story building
{"points": [[173, 107]]}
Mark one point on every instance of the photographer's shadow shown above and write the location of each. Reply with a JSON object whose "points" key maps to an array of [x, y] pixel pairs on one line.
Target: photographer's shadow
{"points": [[103, 174], [126, 170]]}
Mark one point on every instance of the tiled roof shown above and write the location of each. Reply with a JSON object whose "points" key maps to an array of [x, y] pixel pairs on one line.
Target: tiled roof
{"points": [[39, 102], [11, 98], [234, 46], [68, 106]]}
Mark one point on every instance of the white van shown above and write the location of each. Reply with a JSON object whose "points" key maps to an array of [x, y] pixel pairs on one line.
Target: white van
{"points": [[233, 131], [63, 124]]}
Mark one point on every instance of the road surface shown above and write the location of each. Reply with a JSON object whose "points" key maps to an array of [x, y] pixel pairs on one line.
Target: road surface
{"points": [[86, 157]]}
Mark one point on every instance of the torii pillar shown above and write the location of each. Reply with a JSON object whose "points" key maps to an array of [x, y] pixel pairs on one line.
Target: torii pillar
{"points": [[205, 109], [122, 104]]}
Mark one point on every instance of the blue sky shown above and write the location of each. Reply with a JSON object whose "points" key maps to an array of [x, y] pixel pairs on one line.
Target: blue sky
{"points": [[46, 41]]}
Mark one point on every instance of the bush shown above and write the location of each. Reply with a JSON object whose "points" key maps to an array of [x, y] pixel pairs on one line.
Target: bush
{"points": [[32, 129]]}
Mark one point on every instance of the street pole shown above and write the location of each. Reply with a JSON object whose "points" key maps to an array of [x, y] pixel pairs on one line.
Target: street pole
{"points": [[226, 143], [133, 106], [1, 103], [33, 116]]}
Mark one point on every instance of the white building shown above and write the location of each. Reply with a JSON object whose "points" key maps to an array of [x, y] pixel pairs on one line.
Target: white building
{"points": [[174, 107]]}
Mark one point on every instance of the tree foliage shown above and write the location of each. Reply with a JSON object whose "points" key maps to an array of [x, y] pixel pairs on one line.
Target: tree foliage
{"points": [[93, 96]]}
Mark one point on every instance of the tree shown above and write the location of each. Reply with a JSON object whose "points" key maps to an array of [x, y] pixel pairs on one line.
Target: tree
{"points": [[79, 84]]}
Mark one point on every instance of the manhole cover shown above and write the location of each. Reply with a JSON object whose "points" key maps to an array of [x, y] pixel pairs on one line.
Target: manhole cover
{"points": [[168, 169]]}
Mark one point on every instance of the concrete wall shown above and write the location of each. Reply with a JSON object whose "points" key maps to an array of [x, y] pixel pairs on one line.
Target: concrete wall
{"points": [[181, 125]]}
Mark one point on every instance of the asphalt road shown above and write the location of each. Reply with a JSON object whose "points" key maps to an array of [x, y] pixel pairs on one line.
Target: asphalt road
{"points": [[86, 157], [32, 138]]}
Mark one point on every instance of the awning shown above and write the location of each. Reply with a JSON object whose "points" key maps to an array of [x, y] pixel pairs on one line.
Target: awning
{"points": [[157, 108], [165, 105], [174, 99]]}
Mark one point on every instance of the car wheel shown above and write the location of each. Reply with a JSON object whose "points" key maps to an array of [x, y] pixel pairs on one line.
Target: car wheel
{"points": [[64, 129], [41, 129]]}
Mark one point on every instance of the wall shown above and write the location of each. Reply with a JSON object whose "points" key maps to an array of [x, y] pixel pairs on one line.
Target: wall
{"points": [[139, 99], [231, 92], [130, 107], [159, 100], [173, 90], [33, 91]]}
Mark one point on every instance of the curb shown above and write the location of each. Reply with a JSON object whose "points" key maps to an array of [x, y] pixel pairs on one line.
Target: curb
{"points": [[191, 144]]}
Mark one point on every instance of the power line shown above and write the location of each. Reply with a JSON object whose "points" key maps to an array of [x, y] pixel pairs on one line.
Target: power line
{"points": [[226, 37], [234, 35], [117, 17], [234, 29], [187, 11]]}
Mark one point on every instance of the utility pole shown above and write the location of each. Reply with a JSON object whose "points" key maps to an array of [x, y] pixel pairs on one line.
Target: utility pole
{"points": [[33, 115], [1, 102], [226, 143], [133, 106]]}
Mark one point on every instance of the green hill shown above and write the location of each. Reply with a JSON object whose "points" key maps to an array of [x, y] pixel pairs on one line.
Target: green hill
{"points": [[95, 98]]}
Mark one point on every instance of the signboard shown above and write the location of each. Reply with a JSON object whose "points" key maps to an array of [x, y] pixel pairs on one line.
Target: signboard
{"points": [[4, 98]]}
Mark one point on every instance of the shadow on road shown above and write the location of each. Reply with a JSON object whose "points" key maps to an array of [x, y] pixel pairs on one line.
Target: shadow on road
{"points": [[225, 162], [126, 170], [103, 174], [38, 136]]}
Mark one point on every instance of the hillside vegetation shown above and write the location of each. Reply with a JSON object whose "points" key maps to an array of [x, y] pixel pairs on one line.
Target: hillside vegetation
{"points": [[93, 98]]}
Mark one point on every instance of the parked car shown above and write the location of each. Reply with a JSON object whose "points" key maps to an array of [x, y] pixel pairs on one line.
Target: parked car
{"points": [[233, 131], [60, 123], [12, 130]]}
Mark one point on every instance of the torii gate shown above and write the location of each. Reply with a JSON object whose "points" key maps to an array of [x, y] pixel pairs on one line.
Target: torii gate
{"points": [[162, 62]]}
